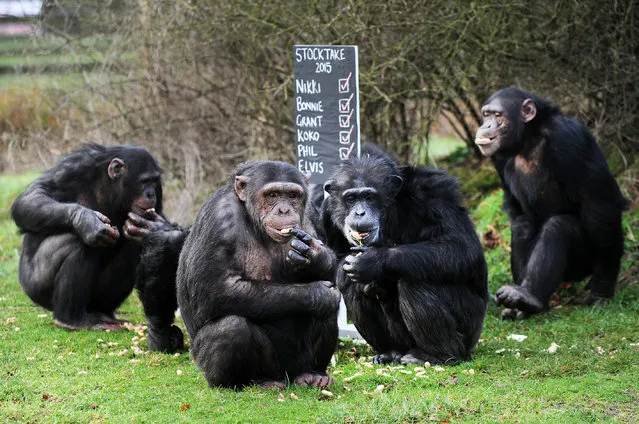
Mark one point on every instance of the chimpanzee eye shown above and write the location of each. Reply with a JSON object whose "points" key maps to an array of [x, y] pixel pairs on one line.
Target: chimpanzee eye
{"points": [[485, 114], [292, 196], [349, 198], [273, 195], [497, 114]]}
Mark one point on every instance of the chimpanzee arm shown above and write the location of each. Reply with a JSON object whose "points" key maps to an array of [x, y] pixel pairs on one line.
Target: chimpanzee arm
{"points": [[155, 283], [452, 257], [35, 210]]}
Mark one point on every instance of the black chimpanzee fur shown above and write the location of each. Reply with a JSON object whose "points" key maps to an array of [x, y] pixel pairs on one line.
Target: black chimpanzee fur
{"points": [[254, 298], [416, 287], [84, 221], [156, 287], [564, 205]]}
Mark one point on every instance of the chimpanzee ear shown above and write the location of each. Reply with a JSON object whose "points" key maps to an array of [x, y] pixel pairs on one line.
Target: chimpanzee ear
{"points": [[528, 110], [329, 186], [240, 185], [396, 183], [116, 168]]}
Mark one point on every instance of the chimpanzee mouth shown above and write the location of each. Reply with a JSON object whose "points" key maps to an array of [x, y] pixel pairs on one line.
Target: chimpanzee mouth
{"points": [[362, 238], [140, 211], [279, 234], [485, 141]]}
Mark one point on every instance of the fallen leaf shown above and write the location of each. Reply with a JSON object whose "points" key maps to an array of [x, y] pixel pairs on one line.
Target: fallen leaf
{"points": [[553, 347], [185, 407], [517, 337], [491, 238], [94, 406], [294, 396], [327, 393], [347, 379], [450, 382], [45, 396]]}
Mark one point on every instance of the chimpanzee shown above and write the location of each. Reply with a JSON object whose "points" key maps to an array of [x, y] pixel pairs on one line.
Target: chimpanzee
{"points": [[412, 270], [155, 284], [74, 260], [252, 283], [564, 204]]}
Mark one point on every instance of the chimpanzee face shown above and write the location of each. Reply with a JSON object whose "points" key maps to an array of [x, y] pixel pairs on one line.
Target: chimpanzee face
{"points": [[503, 124], [281, 208], [358, 211], [274, 195], [141, 189], [496, 130], [148, 193], [360, 194], [363, 219]]}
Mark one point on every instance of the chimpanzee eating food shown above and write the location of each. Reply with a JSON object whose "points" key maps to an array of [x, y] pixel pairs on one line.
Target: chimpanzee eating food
{"points": [[252, 283], [563, 202], [412, 270], [83, 222]]}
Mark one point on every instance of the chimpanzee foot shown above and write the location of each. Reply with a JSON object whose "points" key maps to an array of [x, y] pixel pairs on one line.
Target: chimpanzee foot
{"points": [[392, 357], [88, 326], [593, 299], [107, 318], [517, 297], [271, 384], [419, 357], [168, 340], [513, 314], [314, 380]]}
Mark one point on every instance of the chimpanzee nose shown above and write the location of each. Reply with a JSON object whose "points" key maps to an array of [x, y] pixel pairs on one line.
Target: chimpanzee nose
{"points": [[283, 210], [360, 212]]}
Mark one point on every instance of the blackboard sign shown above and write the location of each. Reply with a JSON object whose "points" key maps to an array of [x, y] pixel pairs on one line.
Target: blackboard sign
{"points": [[326, 108]]}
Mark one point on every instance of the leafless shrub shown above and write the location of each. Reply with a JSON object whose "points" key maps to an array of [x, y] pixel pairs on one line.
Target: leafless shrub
{"points": [[207, 84]]}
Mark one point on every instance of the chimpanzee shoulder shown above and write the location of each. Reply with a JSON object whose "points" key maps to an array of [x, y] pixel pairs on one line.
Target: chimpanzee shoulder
{"points": [[423, 185]]}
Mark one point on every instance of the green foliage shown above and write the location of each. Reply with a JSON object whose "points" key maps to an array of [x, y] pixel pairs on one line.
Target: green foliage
{"points": [[52, 375]]}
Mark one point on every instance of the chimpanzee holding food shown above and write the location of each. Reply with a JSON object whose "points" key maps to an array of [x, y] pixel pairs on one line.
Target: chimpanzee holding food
{"points": [[253, 283], [83, 222], [412, 270], [564, 204]]}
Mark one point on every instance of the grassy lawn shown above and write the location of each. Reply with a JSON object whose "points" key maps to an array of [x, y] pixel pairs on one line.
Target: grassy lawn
{"points": [[51, 375]]}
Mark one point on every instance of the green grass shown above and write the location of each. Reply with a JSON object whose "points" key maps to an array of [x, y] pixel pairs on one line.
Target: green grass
{"points": [[51, 375], [34, 45], [35, 54]]}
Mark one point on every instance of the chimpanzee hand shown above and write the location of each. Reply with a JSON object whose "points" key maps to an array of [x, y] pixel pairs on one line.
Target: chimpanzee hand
{"points": [[365, 265], [94, 228], [304, 248], [325, 299], [137, 228]]}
